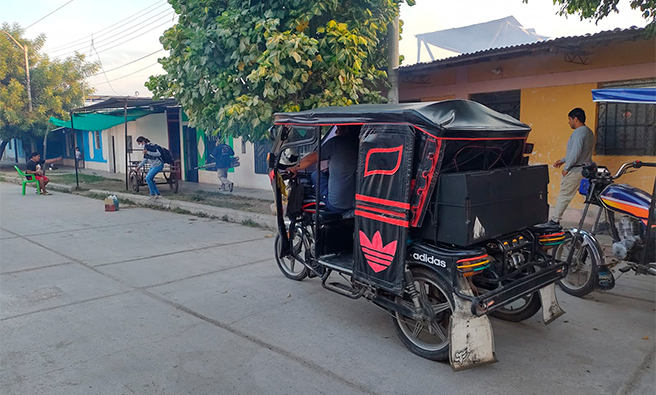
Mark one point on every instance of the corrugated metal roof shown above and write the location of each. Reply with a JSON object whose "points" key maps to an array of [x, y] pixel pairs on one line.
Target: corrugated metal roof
{"points": [[564, 43]]}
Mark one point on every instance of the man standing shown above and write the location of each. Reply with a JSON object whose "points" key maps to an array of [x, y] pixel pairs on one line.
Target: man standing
{"points": [[222, 155], [35, 166], [579, 151]]}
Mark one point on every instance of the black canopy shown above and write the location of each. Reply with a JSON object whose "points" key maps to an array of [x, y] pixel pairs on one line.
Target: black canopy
{"points": [[450, 117]]}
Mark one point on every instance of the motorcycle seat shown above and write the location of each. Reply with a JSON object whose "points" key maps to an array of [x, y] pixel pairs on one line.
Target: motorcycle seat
{"points": [[545, 228]]}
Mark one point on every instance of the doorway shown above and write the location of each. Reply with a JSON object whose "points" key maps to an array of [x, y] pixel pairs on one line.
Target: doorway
{"points": [[191, 150]]}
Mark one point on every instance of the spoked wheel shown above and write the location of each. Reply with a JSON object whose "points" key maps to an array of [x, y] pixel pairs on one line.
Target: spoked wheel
{"points": [[580, 279], [429, 337], [134, 182], [521, 309], [173, 182], [289, 266]]}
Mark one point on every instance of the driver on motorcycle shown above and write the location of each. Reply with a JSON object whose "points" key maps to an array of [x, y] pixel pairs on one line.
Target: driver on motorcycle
{"points": [[337, 186]]}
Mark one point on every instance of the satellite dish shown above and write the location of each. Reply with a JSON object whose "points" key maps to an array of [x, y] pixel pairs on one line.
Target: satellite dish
{"points": [[136, 93]]}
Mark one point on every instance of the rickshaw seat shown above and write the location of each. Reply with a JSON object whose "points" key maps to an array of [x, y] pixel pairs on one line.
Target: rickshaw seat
{"points": [[324, 214]]}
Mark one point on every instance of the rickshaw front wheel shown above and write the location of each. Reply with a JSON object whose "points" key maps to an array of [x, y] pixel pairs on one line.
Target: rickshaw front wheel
{"points": [[427, 338], [521, 309], [289, 266]]}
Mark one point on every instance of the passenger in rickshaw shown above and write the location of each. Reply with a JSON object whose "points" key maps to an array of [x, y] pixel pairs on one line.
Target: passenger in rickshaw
{"points": [[337, 184]]}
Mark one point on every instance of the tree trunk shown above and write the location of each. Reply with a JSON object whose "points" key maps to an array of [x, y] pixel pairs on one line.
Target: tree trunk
{"points": [[3, 144]]}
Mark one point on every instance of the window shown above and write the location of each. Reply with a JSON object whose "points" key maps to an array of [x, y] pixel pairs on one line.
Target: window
{"points": [[260, 152], [626, 129], [96, 139], [505, 102], [243, 145], [9, 144]]}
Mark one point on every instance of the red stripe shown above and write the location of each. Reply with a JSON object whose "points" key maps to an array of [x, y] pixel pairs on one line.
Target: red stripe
{"points": [[380, 218], [471, 259], [553, 234], [377, 253], [374, 259], [384, 202], [417, 211], [380, 210]]}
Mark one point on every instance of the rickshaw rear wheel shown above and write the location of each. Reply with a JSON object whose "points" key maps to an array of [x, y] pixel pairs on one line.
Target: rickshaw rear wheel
{"points": [[520, 310], [289, 266], [429, 338]]}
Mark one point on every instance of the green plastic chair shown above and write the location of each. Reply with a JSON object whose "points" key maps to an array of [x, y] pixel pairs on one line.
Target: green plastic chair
{"points": [[26, 181]]}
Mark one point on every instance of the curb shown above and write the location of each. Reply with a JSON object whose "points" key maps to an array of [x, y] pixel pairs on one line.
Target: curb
{"points": [[224, 214]]}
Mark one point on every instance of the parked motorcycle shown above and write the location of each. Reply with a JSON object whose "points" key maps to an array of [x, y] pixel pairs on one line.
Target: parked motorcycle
{"points": [[631, 227]]}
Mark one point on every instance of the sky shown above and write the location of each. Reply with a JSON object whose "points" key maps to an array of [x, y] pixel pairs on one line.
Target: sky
{"points": [[126, 31]]}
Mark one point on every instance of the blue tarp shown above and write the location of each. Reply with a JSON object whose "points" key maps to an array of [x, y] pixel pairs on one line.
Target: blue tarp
{"points": [[638, 95]]}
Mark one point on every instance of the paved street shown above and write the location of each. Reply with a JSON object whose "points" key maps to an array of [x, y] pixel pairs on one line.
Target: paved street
{"points": [[149, 302]]}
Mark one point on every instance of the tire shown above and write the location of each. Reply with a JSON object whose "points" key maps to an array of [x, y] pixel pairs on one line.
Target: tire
{"points": [[173, 182], [531, 305], [289, 266], [582, 274], [425, 344], [134, 182]]}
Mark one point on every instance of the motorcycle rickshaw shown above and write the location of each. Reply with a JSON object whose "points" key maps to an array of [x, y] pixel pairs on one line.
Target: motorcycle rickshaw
{"points": [[445, 229]]}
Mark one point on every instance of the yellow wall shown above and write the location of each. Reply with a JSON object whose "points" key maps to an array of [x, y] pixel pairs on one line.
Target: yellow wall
{"points": [[545, 110]]}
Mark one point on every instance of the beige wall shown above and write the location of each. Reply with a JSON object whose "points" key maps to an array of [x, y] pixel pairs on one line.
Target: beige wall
{"points": [[550, 88]]}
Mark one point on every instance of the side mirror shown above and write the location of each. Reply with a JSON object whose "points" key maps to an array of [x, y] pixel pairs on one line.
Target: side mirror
{"points": [[528, 148]]}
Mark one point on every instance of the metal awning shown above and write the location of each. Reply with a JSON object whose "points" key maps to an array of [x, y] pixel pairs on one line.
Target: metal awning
{"points": [[637, 95]]}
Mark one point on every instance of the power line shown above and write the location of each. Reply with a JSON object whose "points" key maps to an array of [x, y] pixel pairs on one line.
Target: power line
{"points": [[104, 46], [129, 63], [95, 41], [130, 39], [87, 38], [60, 7], [127, 75], [103, 70]]}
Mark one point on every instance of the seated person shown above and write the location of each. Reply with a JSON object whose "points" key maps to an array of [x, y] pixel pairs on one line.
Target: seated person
{"points": [[34, 166], [337, 186]]}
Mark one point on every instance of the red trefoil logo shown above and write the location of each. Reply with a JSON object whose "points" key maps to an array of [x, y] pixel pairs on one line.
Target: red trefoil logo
{"points": [[378, 256]]}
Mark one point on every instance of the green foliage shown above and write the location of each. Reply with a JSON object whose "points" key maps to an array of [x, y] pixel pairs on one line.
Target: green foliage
{"points": [[599, 9], [233, 63], [57, 85]]}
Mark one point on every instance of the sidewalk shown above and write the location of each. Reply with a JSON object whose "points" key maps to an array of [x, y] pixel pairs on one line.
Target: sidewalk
{"points": [[199, 192], [250, 207]]}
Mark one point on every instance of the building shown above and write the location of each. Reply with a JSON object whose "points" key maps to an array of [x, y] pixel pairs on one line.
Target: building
{"points": [[108, 142], [540, 82]]}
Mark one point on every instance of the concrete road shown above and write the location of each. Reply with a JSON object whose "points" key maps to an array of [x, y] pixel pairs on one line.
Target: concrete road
{"points": [[149, 302]]}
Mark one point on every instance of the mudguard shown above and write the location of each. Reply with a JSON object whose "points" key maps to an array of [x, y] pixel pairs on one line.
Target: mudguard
{"points": [[550, 307], [606, 281], [471, 337]]}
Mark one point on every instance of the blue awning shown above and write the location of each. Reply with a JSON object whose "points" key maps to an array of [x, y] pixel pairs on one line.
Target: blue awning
{"points": [[638, 95]]}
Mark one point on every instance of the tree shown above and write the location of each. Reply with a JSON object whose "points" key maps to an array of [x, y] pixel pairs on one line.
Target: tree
{"points": [[599, 9], [232, 63], [57, 86]]}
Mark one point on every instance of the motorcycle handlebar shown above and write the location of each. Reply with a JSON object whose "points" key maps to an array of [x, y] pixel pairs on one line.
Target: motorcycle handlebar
{"points": [[636, 164]]}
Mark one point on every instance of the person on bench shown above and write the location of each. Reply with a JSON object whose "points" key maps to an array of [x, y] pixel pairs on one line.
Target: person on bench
{"points": [[34, 166], [337, 184]]}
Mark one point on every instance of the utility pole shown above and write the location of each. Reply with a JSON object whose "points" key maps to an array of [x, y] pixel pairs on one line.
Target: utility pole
{"points": [[27, 71], [393, 61]]}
